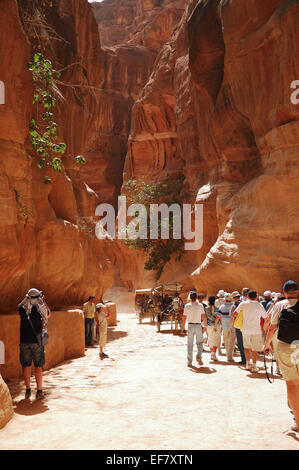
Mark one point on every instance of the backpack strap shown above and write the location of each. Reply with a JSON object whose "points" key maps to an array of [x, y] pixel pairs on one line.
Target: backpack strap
{"points": [[38, 337]]}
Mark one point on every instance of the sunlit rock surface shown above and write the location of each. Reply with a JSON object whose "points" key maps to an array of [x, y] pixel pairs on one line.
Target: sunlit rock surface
{"points": [[47, 231]]}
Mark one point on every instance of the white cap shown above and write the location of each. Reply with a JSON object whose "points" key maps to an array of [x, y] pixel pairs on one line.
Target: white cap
{"points": [[100, 305], [267, 293], [236, 294], [221, 293], [34, 292]]}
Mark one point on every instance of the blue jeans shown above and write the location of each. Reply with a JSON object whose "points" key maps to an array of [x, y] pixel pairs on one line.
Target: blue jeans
{"points": [[194, 330], [240, 344], [88, 331]]}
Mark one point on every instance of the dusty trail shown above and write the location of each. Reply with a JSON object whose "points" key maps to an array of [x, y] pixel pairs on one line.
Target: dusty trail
{"points": [[145, 397]]}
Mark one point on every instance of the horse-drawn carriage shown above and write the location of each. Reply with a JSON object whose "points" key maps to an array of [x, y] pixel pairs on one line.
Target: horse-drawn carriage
{"points": [[162, 304], [144, 304], [171, 306]]}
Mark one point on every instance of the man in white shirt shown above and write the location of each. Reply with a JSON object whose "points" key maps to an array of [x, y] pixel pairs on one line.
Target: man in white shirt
{"points": [[251, 328], [194, 313]]}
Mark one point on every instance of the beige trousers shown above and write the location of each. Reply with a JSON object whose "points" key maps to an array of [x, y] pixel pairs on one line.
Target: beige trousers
{"points": [[229, 338], [102, 337]]}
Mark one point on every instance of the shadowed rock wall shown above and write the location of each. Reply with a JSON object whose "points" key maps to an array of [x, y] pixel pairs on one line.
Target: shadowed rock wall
{"points": [[47, 231], [217, 108]]}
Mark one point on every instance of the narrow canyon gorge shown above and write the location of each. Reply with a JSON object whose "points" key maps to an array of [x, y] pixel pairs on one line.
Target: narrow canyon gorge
{"points": [[197, 91]]}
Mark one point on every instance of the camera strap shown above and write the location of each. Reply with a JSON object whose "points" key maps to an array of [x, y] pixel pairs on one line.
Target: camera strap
{"points": [[266, 370], [38, 337]]}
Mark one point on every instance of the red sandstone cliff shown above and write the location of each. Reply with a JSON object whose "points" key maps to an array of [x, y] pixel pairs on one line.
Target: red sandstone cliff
{"points": [[47, 231], [253, 137], [147, 23], [126, 69], [132, 34], [217, 108]]}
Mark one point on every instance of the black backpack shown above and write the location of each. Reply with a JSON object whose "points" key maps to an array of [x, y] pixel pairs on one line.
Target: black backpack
{"points": [[288, 330]]}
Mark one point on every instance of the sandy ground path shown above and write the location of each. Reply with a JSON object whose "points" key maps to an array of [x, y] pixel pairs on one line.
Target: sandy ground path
{"points": [[145, 397]]}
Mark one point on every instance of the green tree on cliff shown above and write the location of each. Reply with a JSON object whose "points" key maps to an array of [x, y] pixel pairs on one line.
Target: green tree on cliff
{"points": [[43, 129]]}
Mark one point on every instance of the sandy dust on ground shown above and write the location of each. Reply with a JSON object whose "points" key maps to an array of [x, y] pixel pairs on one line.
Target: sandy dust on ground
{"points": [[145, 397]]}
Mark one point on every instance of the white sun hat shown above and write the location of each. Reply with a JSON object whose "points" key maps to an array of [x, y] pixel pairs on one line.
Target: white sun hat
{"points": [[221, 293], [267, 293]]}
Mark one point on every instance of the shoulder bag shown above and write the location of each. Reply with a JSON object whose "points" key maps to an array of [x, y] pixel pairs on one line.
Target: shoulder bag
{"points": [[239, 319]]}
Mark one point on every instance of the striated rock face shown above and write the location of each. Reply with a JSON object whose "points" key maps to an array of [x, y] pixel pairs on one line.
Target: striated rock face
{"points": [[127, 69], [161, 143], [47, 231], [205, 95], [132, 33], [253, 139], [217, 108], [6, 406], [149, 23]]}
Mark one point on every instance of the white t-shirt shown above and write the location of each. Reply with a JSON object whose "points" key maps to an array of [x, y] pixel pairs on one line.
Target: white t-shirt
{"points": [[194, 311], [220, 301], [252, 313], [277, 309]]}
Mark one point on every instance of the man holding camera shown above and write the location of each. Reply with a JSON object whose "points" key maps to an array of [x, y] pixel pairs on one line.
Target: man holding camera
{"points": [[34, 314]]}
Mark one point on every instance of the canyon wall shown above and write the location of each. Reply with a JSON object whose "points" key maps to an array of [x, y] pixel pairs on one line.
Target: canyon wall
{"points": [[147, 23], [6, 406], [193, 88], [47, 230], [132, 33], [217, 109], [127, 69], [250, 132]]}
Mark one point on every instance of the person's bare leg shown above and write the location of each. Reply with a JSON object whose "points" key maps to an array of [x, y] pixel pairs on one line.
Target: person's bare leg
{"points": [[213, 353], [293, 398], [254, 357], [247, 354], [27, 375], [39, 378]]}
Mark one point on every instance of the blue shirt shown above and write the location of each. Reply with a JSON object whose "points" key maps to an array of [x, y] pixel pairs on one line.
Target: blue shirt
{"points": [[225, 315]]}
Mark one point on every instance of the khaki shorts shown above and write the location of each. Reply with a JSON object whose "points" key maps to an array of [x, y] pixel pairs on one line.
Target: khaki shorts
{"points": [[102, 338], [253, 342], [288, 358]]}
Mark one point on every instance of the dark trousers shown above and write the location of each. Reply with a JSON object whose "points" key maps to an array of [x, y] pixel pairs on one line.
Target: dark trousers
{"points": [[88, 331], [240, 344]]}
